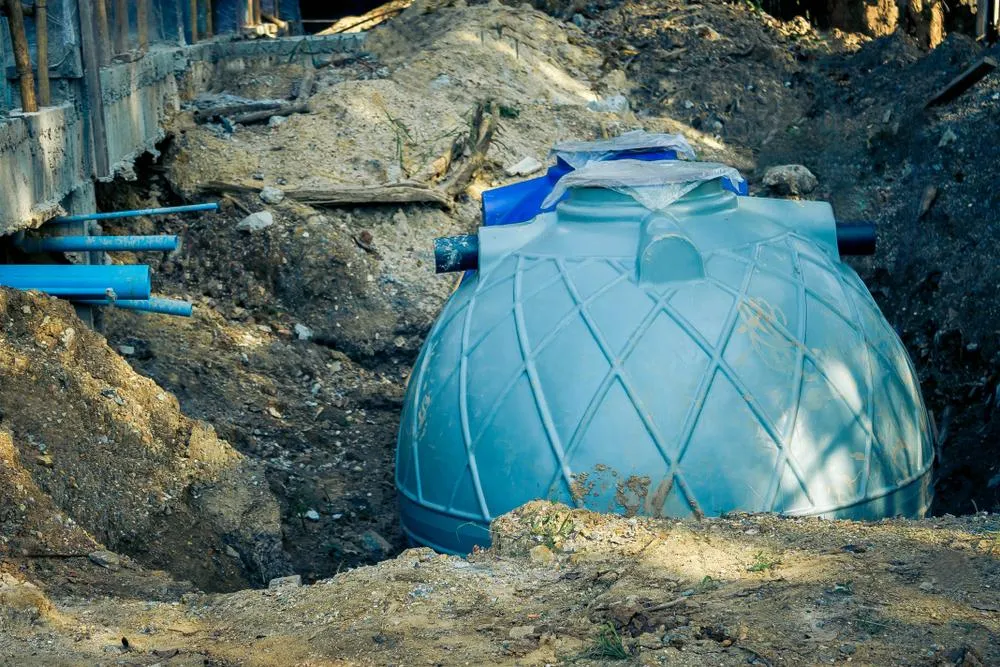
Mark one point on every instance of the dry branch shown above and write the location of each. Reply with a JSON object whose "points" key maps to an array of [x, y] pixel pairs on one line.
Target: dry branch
{"points": [[396, 193], [472, 154], [204, 115], [963, 81], [263, 116], [348, 195]]}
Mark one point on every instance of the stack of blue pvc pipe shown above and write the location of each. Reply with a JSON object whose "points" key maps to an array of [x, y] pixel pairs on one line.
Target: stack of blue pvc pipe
{"points": [[122, 286]]}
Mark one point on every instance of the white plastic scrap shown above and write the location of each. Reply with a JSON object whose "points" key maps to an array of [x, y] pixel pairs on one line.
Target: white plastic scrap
{"points": [[578, 153], [656, 185]]}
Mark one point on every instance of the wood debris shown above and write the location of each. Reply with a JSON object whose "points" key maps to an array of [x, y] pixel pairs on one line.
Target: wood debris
{"points": [[963, 81]]}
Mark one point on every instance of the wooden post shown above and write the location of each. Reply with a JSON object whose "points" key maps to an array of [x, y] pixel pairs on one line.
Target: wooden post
{"points": [[256, 12], [194, 21], [21, 56], [121, 26], [142, 20], [103, 36], [249, 16], [42, 37], [209, 28], [277, 9], [92, 82]]}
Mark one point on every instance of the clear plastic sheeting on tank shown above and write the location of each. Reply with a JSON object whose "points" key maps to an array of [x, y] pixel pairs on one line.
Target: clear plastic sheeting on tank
{"points": [[578, 153], [655, 185]]}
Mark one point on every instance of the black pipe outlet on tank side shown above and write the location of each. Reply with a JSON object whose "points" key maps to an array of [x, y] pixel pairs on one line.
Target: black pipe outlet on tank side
{"points": [[856, 238]]}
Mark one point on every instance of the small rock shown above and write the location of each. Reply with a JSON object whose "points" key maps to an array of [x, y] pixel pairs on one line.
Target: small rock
{"points": [[706, 32], [67, 336], [541, 554], [521, 631], [126, 350], [256, 222], [442, 81], [421, 591], [526, 166], [580, 21], [26, 309], [616, 81], [258, 176], [44, 460], [271, 195], [613, 104], [312, 515], [377, 546], [949, 137], [302, 332], [231, 552], [648, 640], [275, 121], [106, 559], [790, 179], [294, 581], [848, 649], [926, 586], [401, 221]]}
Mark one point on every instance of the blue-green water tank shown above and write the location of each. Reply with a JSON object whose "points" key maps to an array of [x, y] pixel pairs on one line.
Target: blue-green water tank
{"points": [[642, 354]]}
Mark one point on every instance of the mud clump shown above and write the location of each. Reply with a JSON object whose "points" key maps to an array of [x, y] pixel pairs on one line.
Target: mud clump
{"points": [[101, 455]]}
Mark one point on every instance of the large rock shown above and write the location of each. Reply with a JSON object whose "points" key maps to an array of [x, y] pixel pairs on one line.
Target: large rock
{"points": [[272, 195], [790, 179], [256, 222]]}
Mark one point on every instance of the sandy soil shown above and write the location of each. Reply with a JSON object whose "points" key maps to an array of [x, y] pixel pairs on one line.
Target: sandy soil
{"points": [[571, 587]]}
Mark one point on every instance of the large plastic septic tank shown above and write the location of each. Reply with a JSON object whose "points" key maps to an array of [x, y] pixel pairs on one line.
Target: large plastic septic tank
{"points": [[657, 345]]}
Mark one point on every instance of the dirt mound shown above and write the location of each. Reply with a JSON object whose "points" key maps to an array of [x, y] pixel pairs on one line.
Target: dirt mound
{"points": [[93, 453], [565, 587]]}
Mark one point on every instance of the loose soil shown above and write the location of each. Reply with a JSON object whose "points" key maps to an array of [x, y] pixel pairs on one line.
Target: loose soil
{"points": [[571, 587]]}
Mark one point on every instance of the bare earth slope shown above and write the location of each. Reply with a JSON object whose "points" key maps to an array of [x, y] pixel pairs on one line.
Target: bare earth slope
{"points": [[575, 587], [91, 452]]}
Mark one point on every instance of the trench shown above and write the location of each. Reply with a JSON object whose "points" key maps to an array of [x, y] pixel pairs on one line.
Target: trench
{"points": [[322, 422], [329, 452], [352, 489]]}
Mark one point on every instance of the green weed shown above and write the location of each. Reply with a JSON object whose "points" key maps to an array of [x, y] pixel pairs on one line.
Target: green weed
{"points": [[763, 562], [608, 645]]}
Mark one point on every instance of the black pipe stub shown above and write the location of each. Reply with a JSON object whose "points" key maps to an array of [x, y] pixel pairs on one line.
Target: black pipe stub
{"points": [[456, 253], [856, 238]]}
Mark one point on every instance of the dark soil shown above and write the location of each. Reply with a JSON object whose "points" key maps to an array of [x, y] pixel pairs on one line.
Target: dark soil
{"points": [[323, 424]]}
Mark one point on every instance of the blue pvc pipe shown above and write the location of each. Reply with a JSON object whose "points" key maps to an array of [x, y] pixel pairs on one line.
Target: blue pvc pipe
{"points": [[98, 243], [113, 215], [79, 282], [151, 305]]}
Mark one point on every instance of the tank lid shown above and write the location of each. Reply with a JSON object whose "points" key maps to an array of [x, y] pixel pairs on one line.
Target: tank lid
{"points": [[578, 153], [655, 185]]}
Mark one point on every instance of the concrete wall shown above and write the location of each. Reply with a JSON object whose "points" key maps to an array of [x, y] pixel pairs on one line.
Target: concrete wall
{"points": [[43, 159], [47, 156], [136, 97]]}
